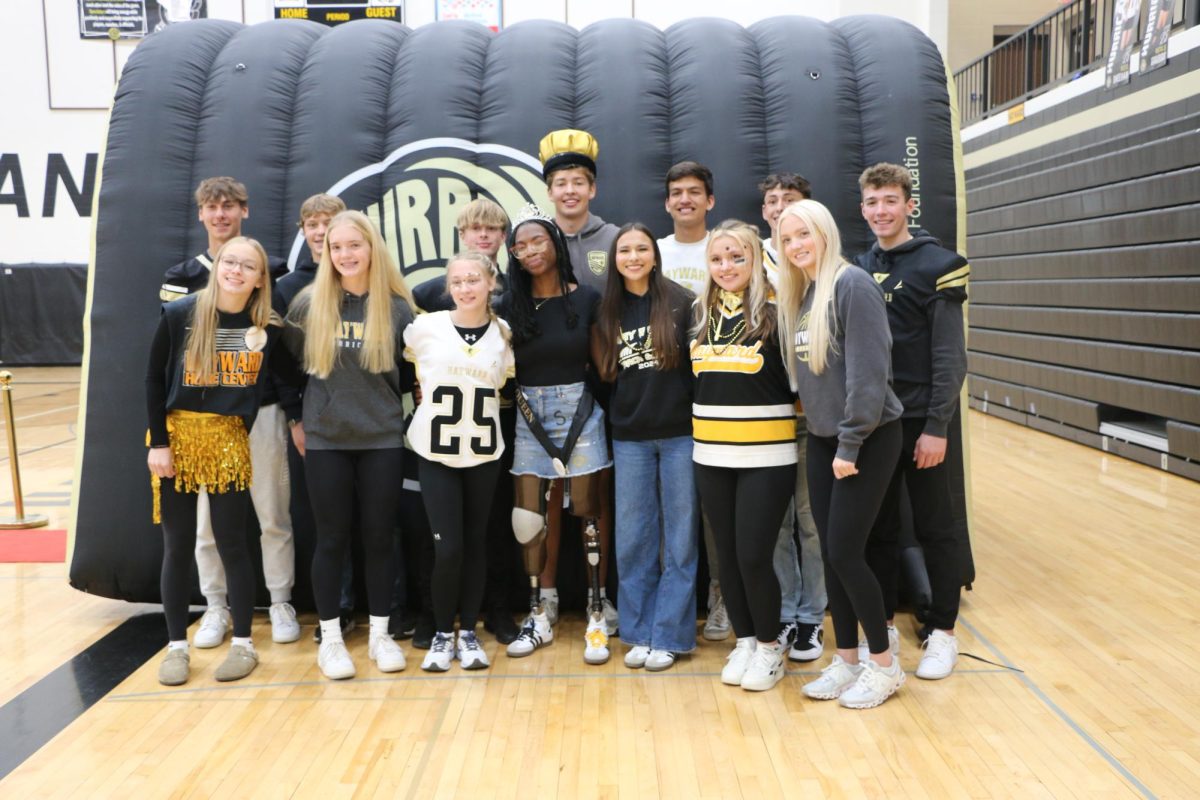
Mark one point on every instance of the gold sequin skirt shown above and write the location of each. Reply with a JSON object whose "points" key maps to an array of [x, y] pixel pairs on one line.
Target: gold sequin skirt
{"points": [[210, 451]]}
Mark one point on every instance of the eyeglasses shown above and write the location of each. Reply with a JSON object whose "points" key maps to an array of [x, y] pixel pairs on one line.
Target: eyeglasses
{"points": [[229, 262], [538, 244], [469, 282]]}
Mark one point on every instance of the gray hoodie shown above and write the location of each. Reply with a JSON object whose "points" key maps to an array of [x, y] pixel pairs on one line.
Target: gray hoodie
{"points": [[853, 396], [353, 409], [589, 252]]}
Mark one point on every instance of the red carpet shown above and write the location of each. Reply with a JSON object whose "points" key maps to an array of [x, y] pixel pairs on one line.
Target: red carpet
{"points": [[34, 545]]}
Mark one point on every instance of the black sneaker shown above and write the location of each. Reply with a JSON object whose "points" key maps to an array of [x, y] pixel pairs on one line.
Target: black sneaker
{"points": [[347, 619], [402, 624], [424, 631], [809, 644], [499, 623]]}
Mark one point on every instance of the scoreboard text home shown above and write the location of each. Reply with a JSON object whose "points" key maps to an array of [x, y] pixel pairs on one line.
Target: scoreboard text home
{"points": [[335, 12]]}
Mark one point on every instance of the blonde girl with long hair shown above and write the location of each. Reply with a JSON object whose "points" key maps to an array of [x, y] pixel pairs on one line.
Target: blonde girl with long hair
{"points": [[463, 359], [834, 329], [347, 328], [203, 388], [744, 454]]}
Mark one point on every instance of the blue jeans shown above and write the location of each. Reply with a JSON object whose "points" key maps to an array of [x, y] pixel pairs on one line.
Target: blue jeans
{"points": [[802, 580], [657, 543]]}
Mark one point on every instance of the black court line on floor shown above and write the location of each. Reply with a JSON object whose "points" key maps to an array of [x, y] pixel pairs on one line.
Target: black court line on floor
{"points": [[38, 714]]}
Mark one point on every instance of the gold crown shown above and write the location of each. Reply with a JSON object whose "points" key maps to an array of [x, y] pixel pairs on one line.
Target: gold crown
{"points": [[568, 141]]}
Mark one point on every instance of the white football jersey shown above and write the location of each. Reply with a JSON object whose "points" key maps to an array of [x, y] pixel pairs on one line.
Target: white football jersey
{"points": [[458, 420]]}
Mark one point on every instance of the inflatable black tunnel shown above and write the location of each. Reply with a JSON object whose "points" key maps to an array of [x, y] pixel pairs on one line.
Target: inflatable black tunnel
{"points": [[409, 124]]}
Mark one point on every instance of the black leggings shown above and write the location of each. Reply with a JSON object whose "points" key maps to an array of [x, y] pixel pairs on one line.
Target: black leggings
{"points": [[458, 502], [228, 512], [930, 495], [745, 508], [338, 482], [844, 511]]}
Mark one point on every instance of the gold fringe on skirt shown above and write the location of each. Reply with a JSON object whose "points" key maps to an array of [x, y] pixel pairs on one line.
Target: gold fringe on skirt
{"points": [[210, 451]]}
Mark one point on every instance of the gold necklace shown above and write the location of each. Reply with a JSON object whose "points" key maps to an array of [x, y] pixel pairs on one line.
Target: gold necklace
{"points": [[716, 323], [537, 306]]}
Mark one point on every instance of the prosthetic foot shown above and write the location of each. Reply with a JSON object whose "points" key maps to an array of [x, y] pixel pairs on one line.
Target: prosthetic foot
{"points": [[596, 636]]}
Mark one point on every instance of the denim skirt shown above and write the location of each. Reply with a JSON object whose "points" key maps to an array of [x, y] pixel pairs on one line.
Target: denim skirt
{"points": [[554, 406]]}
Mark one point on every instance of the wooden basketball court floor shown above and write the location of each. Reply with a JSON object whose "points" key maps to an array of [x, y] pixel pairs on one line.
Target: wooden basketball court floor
{"points": [[1087, 571]]}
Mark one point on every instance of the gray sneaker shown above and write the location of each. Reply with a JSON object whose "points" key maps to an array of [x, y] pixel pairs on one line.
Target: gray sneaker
{"points": [[240, 662], [717, 627], [175, 668]]}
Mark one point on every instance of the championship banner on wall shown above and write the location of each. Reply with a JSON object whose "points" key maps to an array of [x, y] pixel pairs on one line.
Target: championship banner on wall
{"points": [[335, 12], [1158, 30], [1125, 20]]}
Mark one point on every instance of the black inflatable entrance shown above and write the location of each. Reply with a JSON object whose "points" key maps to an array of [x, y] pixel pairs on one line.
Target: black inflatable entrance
{"points": [[407, 124]]}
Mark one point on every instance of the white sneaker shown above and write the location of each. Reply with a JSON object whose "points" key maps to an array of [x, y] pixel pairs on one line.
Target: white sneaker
{"points": [[441, 653], [386, 654], [636, 657], [738, 660], [835, 679], [941, 654], [215, 623], [874, 685], [864, 649], [469, 652], [595, 639], [717, 627], [284, 625], [334, 660], [535, 632], [765, 668], [659, 660], [612, 620], [550, 605]]}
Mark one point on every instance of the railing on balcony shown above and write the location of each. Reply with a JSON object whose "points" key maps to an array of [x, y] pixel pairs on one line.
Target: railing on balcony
{"points": [[1059, 47]]}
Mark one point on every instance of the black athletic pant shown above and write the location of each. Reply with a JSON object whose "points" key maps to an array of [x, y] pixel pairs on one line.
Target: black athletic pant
{"points": [[228, 511], [844, 511], [504, 570], [458, 502], [745, 508], [338, 482], [929, 493]]}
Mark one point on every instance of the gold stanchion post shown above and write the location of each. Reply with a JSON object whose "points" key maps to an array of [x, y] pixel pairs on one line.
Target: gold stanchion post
{"points": [[20, 520]]}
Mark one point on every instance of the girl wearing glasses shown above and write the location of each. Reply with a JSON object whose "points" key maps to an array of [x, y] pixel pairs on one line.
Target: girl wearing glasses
{"points": [[462, 359], [560, 429], [347, 327], [202, 395]]}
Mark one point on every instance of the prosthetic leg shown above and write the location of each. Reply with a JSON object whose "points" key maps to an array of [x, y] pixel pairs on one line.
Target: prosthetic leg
{"points": [[584, 494], [529, 527]]}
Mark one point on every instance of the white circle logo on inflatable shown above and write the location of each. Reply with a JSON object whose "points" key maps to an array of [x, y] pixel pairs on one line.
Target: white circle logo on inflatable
{"points": [[430, 181]]}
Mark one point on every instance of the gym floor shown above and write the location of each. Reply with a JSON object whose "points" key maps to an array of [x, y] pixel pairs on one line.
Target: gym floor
{"points": [[1086, 603]]}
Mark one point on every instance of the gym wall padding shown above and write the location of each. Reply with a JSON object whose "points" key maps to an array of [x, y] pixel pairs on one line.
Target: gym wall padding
{"points": [[292, 108], [1085, 297]]}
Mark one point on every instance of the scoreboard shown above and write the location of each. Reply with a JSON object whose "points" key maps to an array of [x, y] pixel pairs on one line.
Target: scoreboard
{"points": [[335, 12]]}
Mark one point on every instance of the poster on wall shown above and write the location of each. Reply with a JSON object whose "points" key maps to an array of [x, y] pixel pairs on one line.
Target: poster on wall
{"points": [[485, 12], [134, 19], [112, 19], [1125, 20], [335, 12], [1158, 30]]}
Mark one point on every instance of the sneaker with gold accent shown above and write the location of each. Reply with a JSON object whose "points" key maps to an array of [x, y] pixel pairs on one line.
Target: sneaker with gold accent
{"points": [[596, 640]]}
